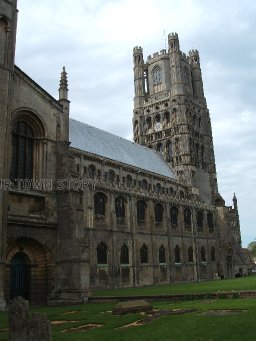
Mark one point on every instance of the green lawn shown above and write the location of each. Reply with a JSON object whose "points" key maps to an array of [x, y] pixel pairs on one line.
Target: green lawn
{"points": [[236, 284], [190, 326]]}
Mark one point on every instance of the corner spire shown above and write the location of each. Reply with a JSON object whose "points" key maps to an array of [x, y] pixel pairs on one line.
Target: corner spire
{"points": [[235, 201], [63, 89]]}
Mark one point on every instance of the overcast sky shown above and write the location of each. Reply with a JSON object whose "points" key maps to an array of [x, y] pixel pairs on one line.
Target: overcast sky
{"points": [[94, 40]]}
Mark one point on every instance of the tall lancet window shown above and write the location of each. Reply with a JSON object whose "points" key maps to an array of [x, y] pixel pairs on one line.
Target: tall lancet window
{"points": [[157, 78], [22, 150], [156, 75]]}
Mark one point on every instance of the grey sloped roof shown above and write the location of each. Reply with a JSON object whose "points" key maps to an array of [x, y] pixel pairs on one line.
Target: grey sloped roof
{"points": [[99, 142]]}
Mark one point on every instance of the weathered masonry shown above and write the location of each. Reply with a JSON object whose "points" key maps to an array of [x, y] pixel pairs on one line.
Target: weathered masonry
{"points": [[81, 208]]}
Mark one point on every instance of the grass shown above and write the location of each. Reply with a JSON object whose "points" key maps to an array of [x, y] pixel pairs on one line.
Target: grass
{"points": [[236, 284], [191, 326]]}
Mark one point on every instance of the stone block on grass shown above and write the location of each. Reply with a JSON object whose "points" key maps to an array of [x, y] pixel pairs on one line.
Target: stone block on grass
{"points": [[136, 306]]}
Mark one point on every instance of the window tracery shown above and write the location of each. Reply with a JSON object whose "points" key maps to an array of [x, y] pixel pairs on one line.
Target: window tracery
{"points": [[124, 255], [156, 75], [102, 253], [100, 200], [177, 257], [23, 138], [161, 255], [159, 210], [141, 210], [144, 254]]}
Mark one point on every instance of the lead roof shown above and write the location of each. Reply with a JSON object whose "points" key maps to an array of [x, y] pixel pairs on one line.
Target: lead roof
{"points": [[99, 142]]}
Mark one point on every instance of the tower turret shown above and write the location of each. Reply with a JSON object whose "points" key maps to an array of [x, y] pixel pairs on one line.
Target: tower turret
{"points": [[8, 23], [139, 83], [63, 100], [173, 42], [235, 202], [197, 82], [139, 92], [177, 78], [63, 89]]}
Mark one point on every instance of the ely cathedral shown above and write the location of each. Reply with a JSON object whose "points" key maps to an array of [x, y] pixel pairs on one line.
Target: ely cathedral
{"points": [[149, 211]]}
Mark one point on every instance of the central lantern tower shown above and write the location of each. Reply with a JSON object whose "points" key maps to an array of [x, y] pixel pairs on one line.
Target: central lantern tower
{"points": [[171, 115]]}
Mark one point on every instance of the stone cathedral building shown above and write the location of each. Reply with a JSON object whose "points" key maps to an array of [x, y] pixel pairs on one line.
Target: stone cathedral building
{"points": [[81, 208]]}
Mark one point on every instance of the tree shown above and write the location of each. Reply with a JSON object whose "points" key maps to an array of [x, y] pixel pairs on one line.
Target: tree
{"points": [[252, 248]]}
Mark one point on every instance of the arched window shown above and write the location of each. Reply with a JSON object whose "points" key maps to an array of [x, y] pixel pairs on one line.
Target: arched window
{"points": [[174, 217], [100, 200], [159, 147], [141, 210], [177, 258], [136, 127], [158, 188], [20, 276], [102, 253], [124, 255], [199, 220], [176, 141], [156, 75], [22, 150], [187, 218], [128, 181], [190, 255], [148, 122], [120, 207], [167, 117], [213, 254], [203, 254], [111, 176], [210, 221], [169, 150], [91, 172], [157, 118], [144, 184], [159, 210], [144, 254], [162, 257]]}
